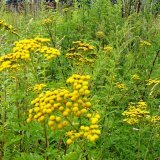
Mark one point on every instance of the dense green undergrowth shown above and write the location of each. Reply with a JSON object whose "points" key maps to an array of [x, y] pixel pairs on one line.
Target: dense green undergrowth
{"points": [[79, 83]]}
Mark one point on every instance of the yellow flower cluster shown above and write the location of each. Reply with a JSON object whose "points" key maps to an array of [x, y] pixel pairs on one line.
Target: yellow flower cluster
{"points": [[79, 58], [91, 132], [24, 47], [8, 27], [63, 108], [108, 49], [27, 49], [47, 21], [120, 85], [8, 62], [135, 77], [81, 53], [4, 65], [145, 43], [41, 40], [39, 87], [100, 34], [135, 112], [82, 46], [49, 52], [76, 56], [152, 82], [153, 119]]}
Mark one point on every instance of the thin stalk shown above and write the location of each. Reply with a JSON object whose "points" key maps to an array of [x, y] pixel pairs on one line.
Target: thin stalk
{"points": [[18, 115], [83, 10], [106, 118], [83, 150], [34, 70], [46, 140], [50, 35], [151, 70], [139, 143], [44, 72], [71, 124], [108, 100], [150, 140], [4, 118], [1, 150]]}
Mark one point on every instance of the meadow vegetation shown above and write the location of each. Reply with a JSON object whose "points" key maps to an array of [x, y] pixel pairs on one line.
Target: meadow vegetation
{"points": [[80, 82]]}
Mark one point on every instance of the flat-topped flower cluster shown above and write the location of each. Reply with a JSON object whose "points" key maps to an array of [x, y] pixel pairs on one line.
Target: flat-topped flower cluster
{"points": [[62, 108], [27, 50]]}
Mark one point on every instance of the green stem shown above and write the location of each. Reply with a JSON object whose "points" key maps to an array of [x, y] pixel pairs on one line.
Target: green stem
{"points": [[50, 35], [34, 70], [18, 115], [46, 140], [150, 72], [150, 140], [4, 118]]}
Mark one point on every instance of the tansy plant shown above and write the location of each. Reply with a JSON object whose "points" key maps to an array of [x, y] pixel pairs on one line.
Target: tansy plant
{"points": [[137, 113], [28, 51], [120, 86], [100, 35], [27, 62], [8, 27], [50, 24], [152, 82], [135, 77], [144, 43], [69, 110], [108, 49], [81, 54], [38, 87]]}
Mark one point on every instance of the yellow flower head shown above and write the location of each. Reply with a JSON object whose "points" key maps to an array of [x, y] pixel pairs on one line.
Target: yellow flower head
{"points": [[100, 34], [8, 27], [47, 21], [135, 77], [152, 82], [145, 43], [108, 49], [135, 112], [153, 119], [39, 87], [120, 85]]}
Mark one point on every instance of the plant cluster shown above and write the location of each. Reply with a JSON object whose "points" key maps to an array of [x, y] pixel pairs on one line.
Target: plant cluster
{"points": [[137, 113], [82, 53], [64, 109], [8, 27], [27, 50]]}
